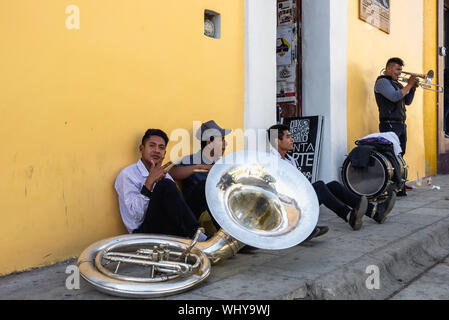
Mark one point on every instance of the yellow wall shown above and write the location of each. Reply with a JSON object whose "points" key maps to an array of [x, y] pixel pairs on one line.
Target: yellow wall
{"points": [[368, 50], [430, 99], [75, 103]]}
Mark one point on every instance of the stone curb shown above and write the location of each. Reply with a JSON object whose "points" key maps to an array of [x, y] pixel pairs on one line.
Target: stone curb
{"points": [[398, 264]]}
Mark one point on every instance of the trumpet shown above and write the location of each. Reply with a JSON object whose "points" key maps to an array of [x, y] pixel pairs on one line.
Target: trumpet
{"points": [[425, 83]]}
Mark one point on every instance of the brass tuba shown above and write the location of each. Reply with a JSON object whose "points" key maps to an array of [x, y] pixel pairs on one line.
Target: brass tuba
{"points": [[256, 198]]}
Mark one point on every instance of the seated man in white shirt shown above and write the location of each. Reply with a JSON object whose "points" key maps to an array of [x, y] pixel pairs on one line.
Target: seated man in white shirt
{"points": [[347, 205], [149, 199]]}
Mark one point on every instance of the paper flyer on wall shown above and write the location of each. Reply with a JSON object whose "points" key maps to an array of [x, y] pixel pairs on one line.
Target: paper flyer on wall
{"points": [[285, 13], [286, 73], [284, 46], [286, 91]]}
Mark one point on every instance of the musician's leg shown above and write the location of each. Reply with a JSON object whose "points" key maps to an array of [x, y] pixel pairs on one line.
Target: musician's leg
{"points": [[403, 138], [403, 141], [196, 200], [353, 216], [342, 193], [168, 213], [348, 197], [399, 129], [326, 197]]}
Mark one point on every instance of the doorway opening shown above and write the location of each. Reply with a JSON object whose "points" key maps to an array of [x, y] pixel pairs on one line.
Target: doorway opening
{"points": [[446, 71], [443, 98]]}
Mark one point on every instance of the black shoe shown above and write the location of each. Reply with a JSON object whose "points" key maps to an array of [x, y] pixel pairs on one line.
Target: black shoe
{"points": [[248, 249], [317, 232], [402, 192], [372, 209], [357, 214], [384, 208]]}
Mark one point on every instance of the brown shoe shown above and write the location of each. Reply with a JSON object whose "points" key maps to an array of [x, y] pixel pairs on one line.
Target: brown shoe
{"points": [[357, 214]]}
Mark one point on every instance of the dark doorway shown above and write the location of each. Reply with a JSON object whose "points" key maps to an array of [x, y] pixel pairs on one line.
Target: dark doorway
{"points": [[446, 71], [443, 98]]}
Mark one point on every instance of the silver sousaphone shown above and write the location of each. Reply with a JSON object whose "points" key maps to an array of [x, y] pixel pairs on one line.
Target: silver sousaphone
{"points": [[256, 198]]}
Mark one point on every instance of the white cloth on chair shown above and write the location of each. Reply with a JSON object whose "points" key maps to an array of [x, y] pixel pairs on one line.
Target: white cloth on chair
{"points": [[390, 136]]}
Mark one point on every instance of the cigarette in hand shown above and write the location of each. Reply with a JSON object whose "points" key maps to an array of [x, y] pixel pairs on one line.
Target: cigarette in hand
{"points": [[168, 166]]}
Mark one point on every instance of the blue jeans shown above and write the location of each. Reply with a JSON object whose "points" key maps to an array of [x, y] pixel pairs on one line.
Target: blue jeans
{"points": [[399, 128]]}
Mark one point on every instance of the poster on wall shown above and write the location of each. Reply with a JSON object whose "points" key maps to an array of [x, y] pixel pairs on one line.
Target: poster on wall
{"points": [[286, 73], [376, 13], [286, 91], [306, 133], [285, 13], [287, 59], [284, 46]]}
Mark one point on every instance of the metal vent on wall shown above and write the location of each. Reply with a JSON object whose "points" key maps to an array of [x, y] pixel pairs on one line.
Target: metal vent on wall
{"points": [[212, 24]]}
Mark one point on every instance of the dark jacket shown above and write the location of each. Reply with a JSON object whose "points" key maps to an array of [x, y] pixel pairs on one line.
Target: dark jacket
{"points": [[389, 110]]}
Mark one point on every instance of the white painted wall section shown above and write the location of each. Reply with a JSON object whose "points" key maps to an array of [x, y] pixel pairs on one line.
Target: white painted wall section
{"points": [[325, 78], [260, 64]]}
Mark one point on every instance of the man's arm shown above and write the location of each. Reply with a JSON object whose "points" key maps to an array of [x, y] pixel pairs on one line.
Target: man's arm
{"points": [[411, 84], [384, 87], [133, 204], [183, 172], [409, 97]]}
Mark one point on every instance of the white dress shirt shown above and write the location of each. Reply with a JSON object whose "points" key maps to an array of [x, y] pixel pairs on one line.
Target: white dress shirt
{"points": [[287, 158], [133, 205]]}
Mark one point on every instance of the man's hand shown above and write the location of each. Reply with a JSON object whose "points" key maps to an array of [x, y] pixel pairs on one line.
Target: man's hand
{"points": [[412, 79], [412, 83], [156, 173]]}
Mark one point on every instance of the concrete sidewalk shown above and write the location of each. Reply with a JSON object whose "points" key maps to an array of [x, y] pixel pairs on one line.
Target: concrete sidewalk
{"points": [[337, 265]]}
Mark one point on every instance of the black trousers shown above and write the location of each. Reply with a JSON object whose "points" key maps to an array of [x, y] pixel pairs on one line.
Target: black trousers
{"points": [[399, 128], [168, 213], [196, 200], [336, 197]]}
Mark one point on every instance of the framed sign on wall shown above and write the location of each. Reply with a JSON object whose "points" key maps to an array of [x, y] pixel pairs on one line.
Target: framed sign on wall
{"points": [[376, 13]]}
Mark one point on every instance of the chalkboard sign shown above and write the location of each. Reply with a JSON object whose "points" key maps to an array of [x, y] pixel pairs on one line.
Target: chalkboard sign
{"points": [[306, 131]]}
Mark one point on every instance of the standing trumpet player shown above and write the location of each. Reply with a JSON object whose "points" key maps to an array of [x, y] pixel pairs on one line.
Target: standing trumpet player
{"points": [[392, 97]]}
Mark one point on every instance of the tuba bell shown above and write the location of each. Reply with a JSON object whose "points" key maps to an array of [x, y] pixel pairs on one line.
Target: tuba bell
{"points": [[257, 199]]}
